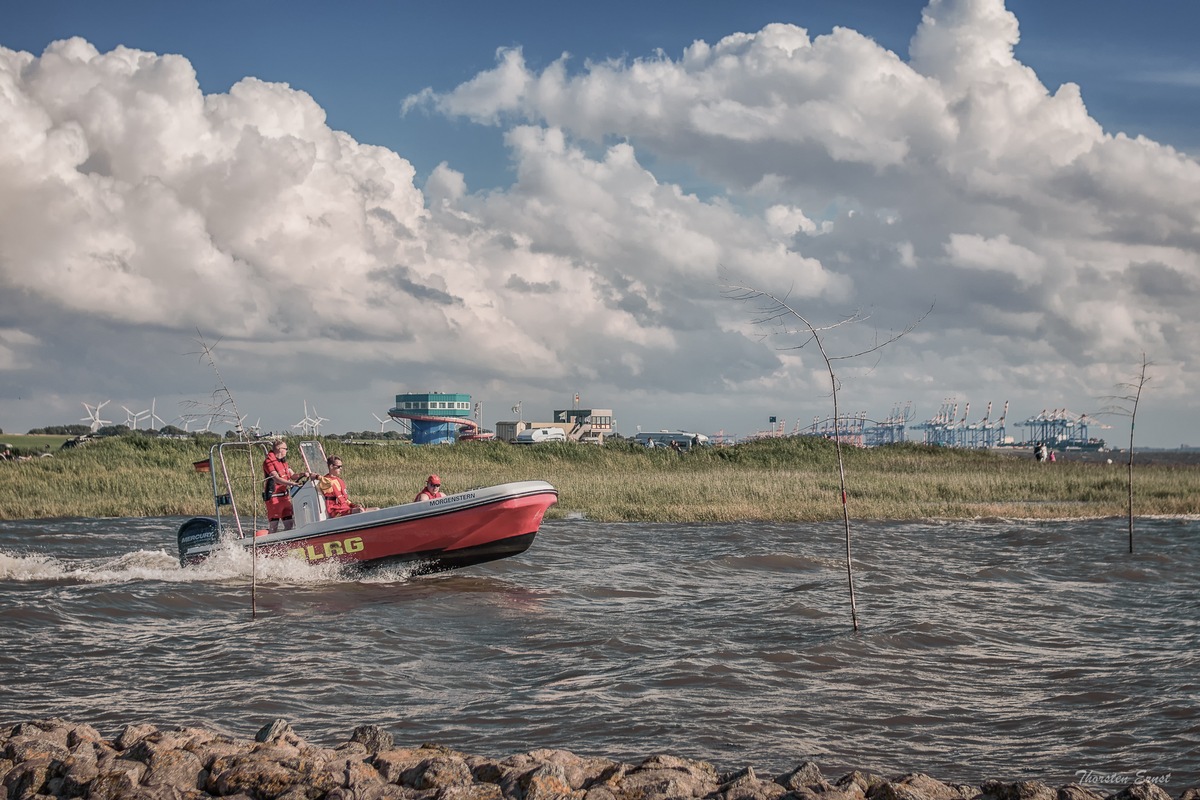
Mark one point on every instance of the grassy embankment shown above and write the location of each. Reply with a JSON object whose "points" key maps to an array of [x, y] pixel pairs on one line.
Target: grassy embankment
{"points": [[781, 480]]}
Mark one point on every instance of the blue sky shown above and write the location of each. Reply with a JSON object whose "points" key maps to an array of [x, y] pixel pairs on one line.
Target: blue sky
{"points": [[1139, 70], [1023, 313]]}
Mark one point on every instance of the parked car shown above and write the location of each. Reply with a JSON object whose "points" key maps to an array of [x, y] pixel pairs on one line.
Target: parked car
{"points": [[685, 439], [539, 435]]}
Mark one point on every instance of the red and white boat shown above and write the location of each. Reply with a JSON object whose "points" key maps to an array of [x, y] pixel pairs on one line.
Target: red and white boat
{"points": [[450, 532]]}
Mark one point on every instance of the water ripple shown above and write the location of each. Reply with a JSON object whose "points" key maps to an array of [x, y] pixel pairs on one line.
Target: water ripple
{"points": [[987, 648]]}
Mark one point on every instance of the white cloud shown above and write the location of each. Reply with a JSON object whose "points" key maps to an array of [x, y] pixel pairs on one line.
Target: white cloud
{"points": [[999, 254], [131, 202]]}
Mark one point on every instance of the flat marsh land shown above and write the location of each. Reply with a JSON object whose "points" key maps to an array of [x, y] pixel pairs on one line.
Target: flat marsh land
{"points": [[784, 480]]}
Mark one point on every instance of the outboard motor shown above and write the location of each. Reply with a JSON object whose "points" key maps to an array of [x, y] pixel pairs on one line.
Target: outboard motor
{"points": [[198, 533]]}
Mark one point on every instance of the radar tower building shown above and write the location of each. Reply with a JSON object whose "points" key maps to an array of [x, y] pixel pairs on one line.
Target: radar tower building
{"points": [[434, 417]]}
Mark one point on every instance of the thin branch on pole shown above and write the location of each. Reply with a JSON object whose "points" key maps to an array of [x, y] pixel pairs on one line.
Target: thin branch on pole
{"points": [[223, 408], [777, 310]]}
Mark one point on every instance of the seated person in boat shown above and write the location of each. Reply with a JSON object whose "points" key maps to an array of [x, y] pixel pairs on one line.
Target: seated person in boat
{"points": [[432, 490], [333, 486], [277, 478]]}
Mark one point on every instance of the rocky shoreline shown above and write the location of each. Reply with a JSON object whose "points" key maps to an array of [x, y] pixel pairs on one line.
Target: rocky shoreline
{"points": [[60, 759]]}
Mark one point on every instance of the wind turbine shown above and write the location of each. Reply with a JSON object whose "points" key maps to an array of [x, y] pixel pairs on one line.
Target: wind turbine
{"points": [[305, 424], [155, 417], [94, 416], [316, 422], [382, 422], [134, 417]]}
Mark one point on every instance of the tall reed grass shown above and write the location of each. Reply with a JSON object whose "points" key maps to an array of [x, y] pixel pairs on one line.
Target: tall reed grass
{"points": [[791, 480]]}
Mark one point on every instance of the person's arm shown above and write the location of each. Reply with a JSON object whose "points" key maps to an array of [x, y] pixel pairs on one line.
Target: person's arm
{"points": [[283, 475]]}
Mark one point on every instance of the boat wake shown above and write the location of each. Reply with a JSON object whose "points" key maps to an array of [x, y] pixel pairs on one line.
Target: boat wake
{"points": [[228, 563]]}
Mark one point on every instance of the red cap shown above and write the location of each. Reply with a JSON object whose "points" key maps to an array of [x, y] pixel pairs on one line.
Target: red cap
{"points": [[435, 480]]}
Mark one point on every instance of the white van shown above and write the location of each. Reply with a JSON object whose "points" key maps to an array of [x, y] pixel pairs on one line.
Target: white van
{"points": [[539, 435]]}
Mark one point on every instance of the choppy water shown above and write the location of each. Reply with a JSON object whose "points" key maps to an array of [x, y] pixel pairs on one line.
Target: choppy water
{"points": [[988, 650]]}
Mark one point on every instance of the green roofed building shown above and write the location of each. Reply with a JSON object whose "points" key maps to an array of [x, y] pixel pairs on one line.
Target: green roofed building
{"points": [[435, 417]]}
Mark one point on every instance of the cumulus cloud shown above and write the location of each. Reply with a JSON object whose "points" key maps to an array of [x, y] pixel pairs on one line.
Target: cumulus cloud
{"points": [[141, 204], [842, 174], [954, 175]]}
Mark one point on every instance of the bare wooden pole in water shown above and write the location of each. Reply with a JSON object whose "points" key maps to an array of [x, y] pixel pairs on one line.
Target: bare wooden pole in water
{"points": [[254, 544], [1137, 396], [224, 408], [776, 310], [1127, 405], [837, 444]]}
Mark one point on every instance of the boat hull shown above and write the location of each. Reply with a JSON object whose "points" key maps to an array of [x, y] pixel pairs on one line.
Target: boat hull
{"points": [[451, 532]]}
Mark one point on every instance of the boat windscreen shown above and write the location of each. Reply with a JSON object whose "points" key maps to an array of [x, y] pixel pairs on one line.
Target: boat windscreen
{"points": [[314, 457]]}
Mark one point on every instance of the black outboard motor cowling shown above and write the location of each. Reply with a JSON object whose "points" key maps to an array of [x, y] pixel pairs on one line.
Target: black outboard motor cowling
{"points": [[197, 532]]}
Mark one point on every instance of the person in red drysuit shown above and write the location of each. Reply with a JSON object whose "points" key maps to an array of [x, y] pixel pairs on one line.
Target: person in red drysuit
{"points": [[277, 477], [432, 490]]}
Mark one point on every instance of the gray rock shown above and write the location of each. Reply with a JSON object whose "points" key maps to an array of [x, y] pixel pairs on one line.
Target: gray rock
{"points": [[373, 737], [210, 751], [580, 772], [356, 774], [384, 791], [55, 730], [485, 770], [80, 733], [600, 792], [475, 791], [1021, 790], [548, 782], [914, 786], [668, 776], [393, 763], [132, 734], [1073, 791], [806, 776], [79, 770], [46, 759], [26, 747], [255, 778], [1142, 791], [746, 785], [115, 784], [28, 778], [277, 731], [858, 782], [438, 772], [179, 768]]}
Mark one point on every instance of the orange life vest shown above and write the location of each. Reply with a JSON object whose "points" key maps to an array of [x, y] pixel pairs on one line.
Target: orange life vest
{"points": [[273, 467], [425, 494], [337, 500]]}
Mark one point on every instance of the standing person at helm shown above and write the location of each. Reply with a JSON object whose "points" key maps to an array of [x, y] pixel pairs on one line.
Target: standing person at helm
{"points": [[277, 478], [432, 490]]}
